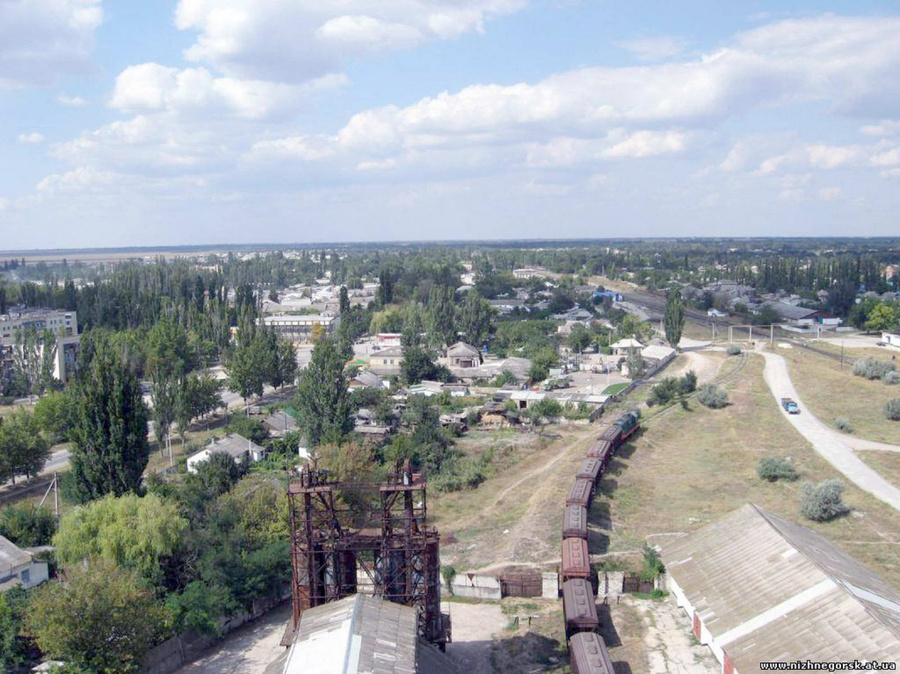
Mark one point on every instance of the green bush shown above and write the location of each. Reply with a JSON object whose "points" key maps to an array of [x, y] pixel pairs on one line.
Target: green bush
{"points": [[872, 368], [733, 350], [27, 526], [892, 409], [843, 424], [891, 378], [671, 388], [822, 502], [712, 396], [458, 474], [772, 468]]}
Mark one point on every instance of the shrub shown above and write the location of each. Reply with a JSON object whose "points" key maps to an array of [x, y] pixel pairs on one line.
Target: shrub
{"points": [[772, 468], [733, 350], [27, 526], [892, 409], [822, 502], [712, 396], [843, 424], [689, 382], [653, 565], [891, 378], [671, 388], [448, 573], [872, 368]]}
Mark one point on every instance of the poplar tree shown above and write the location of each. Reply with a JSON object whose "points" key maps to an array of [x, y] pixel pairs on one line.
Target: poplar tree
{"points": [[322, 397], [674, 317], [110, 433]]}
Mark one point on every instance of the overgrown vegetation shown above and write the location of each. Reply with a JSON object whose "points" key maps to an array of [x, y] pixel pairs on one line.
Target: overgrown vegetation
{"points": [[712, 396], [672, 388], [822, 502], [892, 409], [772, 469], [873, 368]]}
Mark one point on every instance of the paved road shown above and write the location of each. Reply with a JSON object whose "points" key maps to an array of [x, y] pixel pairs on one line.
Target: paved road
{"points": [[833, 447]]}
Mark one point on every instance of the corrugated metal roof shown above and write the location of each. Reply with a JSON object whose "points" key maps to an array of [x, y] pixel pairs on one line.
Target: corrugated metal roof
{"points": [[360, 634], [11, 556], [771, 590]]}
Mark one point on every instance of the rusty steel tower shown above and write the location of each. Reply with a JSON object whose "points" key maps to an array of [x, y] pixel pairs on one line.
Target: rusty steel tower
{"points": [[349, 536]]}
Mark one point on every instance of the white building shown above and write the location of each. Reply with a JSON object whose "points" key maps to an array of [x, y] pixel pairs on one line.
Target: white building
{"points": [[63, 324], [18, 567], [242, 450], [300, 327]]}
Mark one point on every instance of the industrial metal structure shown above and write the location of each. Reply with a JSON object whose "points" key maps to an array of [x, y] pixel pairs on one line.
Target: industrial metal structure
{"points": [[344, 532]]}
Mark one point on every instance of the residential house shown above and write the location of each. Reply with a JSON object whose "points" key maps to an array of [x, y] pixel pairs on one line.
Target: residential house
{"points": [[365, 379], [241, 449], [18, 567], [386, 361], [280, 423], [463, 355], [625, 347]]}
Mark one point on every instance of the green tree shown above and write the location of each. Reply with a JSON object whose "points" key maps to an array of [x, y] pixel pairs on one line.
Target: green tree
{"points": [[33, 357], [247, 369], [580, 338], [130, 531], [322, 400], [23, 450], [110, 449], [439, 316], [418, 365], [27, 525], [674, 316], [475, 318], [636, 365], [55, 414], [101, 618], [344, 301], [882, 318]]}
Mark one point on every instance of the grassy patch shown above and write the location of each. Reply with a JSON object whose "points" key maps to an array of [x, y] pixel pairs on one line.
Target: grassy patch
{"points": [[832, 392], [691, 468], [613, 389], [887, 464]]}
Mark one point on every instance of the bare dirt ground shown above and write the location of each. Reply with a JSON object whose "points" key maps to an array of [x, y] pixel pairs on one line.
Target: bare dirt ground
{"points": [[475, 626], [247, 650]]}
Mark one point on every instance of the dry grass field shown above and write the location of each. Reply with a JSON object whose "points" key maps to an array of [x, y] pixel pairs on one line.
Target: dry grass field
{"points": [[832, 392], [886, 463], [688, 468]]}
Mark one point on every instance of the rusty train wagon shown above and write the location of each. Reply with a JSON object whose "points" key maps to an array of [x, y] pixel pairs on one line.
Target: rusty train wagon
{"points": [[575, 560], [589, 469], [588, 654], [580, 493], [575, 522], [613, 435], [602, 451], [579, 607]]}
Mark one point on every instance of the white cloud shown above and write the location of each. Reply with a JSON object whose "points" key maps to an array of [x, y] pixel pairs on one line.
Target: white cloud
{"points": [[32, 138], [41, 40], [151, 87], [832, 156], [648, 144], [887, 127], [71, 101], [887, 158], [830, 193], [4, 204], [298, 40], [654, 48]]}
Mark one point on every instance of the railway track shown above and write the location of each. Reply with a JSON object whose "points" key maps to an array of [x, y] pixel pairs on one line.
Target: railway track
{"points": [[719, 380]]}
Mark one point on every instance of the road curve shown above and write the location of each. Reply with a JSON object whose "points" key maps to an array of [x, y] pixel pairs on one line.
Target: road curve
{"points": [[834, 448]]}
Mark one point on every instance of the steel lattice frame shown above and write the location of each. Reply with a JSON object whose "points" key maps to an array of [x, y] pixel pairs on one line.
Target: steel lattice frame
{"points": [[385, 537]]}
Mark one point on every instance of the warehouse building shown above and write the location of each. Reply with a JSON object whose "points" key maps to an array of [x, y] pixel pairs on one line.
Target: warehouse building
{"points": [[761, 589]]}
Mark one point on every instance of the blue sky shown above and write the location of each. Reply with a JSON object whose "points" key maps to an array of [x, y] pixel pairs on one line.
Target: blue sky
{"points": [[203, 121]]}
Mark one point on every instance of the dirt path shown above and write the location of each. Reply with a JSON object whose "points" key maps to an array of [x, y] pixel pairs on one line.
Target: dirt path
{"points": [[834, 448]]}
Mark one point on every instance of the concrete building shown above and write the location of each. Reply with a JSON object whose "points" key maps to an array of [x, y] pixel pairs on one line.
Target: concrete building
{"points": [[18, 567], [761, 589], [360, 634], [63, 324], [299, 327], [463, 355], [625, 347], [386, 361], [242, 450]]}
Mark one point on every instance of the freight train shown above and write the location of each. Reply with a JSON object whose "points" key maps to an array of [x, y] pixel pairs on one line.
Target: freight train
{"points": [[587, 652]]}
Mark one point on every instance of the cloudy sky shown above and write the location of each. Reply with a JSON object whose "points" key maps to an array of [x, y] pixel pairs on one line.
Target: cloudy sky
{"points": [[202, 121]]}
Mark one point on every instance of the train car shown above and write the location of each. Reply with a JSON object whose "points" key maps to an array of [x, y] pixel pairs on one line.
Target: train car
{"points": [[589, 470], [629, 423], [580, 493], [588, 654], [601, 450], [575, 560], [613, 435], [579, 607], [575, 522]]}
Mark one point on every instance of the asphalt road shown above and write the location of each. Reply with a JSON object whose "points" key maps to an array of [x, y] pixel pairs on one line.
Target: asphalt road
{"points": [[832, 446]]}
